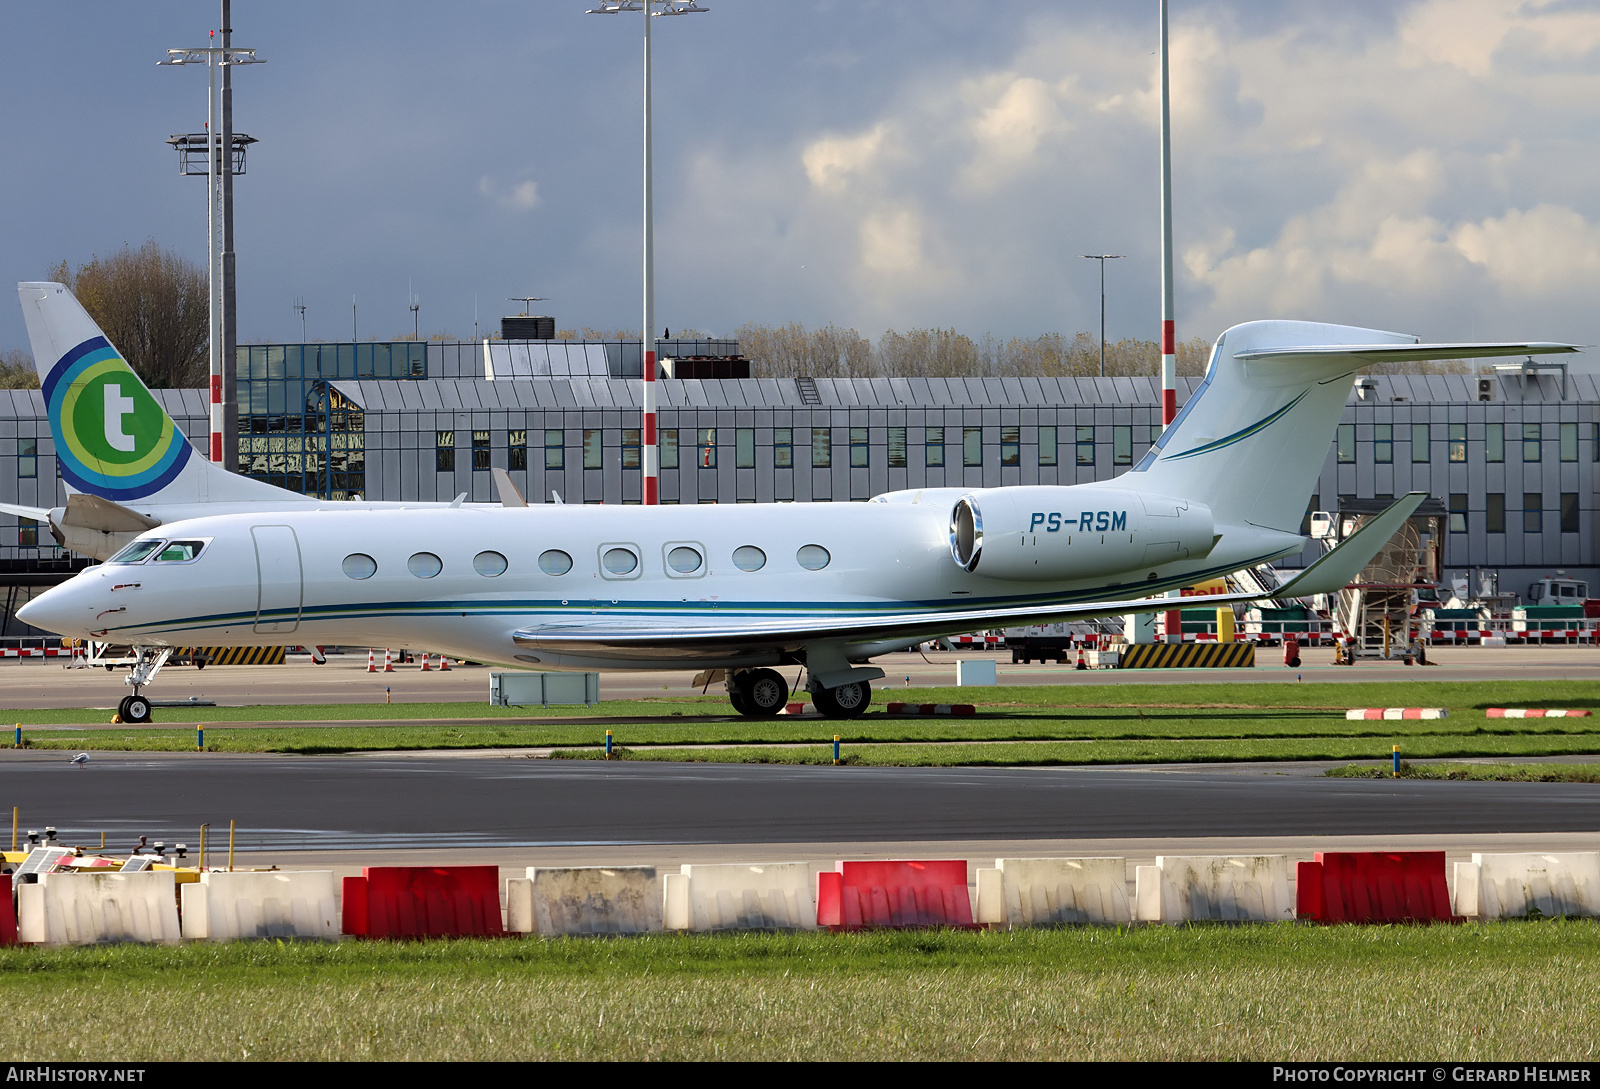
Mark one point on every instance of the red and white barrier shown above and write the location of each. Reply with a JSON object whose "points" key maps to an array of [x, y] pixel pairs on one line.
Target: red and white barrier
{"points": [[1535, 712], [1362, 713]]}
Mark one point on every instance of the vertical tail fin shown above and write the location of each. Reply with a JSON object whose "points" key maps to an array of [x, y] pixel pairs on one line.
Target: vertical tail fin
{"points": [[1250, 443], [112, 438]]}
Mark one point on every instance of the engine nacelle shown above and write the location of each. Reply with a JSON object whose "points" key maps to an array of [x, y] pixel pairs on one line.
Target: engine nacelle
{"points": [[1051, 534]]}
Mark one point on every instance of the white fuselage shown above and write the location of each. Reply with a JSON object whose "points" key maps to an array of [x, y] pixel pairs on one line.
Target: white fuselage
{"points": [[302, 577]]}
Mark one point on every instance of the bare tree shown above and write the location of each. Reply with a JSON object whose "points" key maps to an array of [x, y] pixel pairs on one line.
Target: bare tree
{"points": [[789, 351], [152, 305]]}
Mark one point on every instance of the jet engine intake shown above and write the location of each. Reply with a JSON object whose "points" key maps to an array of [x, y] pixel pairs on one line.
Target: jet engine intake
{"points": [[1052, 534]]}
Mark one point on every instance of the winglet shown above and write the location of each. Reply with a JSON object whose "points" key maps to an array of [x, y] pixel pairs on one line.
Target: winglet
{"points": [[1339, 567], [507, 490]]}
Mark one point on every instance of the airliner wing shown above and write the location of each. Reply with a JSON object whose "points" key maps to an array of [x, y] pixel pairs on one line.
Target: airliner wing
{"points": [[641, 638], [1405, 353]]}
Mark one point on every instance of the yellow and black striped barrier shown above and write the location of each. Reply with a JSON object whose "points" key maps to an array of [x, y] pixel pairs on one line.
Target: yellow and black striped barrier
{"points": [[1188, 656], [235, 655]]}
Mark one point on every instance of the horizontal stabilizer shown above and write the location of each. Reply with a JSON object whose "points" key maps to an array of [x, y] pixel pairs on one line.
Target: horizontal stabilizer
{"points": [[1402, 353]]}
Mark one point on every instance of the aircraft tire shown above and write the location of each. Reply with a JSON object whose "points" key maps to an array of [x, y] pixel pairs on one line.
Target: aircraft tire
{"points": [[764, 691], [846, 701], [135, 709], [737, 698]]}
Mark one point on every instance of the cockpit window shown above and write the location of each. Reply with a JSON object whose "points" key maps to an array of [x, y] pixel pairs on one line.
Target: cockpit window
{"points": [[137, 552], [180, 551]]}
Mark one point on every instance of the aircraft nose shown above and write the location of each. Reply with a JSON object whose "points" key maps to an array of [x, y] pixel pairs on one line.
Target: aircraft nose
{"points": [[65, 609]]}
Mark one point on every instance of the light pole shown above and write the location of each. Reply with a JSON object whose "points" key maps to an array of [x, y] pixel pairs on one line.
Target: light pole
{"points": [[650, 493], [214, 57], [1103, 258]]}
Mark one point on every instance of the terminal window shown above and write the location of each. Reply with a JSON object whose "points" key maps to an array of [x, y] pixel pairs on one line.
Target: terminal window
{"points": [[1047, 445], [783, 447], [859, 448], [1494, 512], [821, 448], [1458, 442], [897, 448], [27, 458], [444, 455], [669, 448], [1345, 443], [744, 448], [555, 454], [630, 448], [1530, 442], [1010, 445], [1085, 446], [934, 446], [1122, 445], [1419, 442], [1532, 503], [516, 450], [480, 451], [591, 448], [27, 533], [1458, 512], [706, 456], [972, 446], [1383, 444], [1569, 442], [1494, 442], [1569, 512]]}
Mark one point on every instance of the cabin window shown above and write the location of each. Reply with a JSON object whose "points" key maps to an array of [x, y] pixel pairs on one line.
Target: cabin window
{"points": [[619, 562], [180, 552], [359, 565], [425, 565], [749, 558], [137, 552], [813, 557], [489, 564], [555, 562], [684, 560]]}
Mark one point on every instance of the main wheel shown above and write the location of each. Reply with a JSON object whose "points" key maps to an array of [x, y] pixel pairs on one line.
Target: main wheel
{"points": [[736, 697], [135, 709], [122, 708], [763, 692], [846, 701]]}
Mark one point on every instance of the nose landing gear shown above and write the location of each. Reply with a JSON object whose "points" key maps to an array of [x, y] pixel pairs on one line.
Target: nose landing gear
{"points": [[136, 708]]}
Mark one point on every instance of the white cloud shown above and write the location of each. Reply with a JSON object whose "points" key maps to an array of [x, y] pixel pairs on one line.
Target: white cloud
{"points": [[1468, 34], [1546, 249], [832, 163], [522, 196]]}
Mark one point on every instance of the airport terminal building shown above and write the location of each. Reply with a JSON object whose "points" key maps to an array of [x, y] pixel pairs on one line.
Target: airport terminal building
{"points": [[1513, 456]]}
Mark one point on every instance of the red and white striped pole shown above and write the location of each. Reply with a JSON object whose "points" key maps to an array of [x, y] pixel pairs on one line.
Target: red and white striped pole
{"points": [[1169, 336], [216, 417], [651, 491]]}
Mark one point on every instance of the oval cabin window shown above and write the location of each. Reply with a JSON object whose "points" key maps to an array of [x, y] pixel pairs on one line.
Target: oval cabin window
{"points": [[620, 561], [358, 565], [813, 557], [684, 560], [555, 562], [425, 565], [749, 558], [489, 564]]}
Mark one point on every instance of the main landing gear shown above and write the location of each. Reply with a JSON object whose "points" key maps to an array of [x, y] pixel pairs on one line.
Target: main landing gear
{"points": [[763, 693], [136, 708]]}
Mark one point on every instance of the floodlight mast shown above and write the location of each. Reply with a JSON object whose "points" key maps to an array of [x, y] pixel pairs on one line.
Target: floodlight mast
{"points": [[650, 494], [219, 212]]}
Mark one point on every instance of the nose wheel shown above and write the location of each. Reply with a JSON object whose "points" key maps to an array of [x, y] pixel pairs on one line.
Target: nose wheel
{"points": [[134, 709]]}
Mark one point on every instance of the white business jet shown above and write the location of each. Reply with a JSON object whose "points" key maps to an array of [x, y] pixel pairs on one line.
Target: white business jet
{"points": [[126, 466], [746, 588]]}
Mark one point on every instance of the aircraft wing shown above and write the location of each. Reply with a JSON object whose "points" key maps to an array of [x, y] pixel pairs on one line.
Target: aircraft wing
{"points": [[640, 638], [1406, 353], [38, 514]]}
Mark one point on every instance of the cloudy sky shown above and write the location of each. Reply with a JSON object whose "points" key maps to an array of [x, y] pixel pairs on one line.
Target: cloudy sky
{"points": [[1427, 166]]}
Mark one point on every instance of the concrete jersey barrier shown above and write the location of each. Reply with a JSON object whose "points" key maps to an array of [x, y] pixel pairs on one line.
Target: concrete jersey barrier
{"points": [[1499, 886], [585, 900], [750, 896], [85, 908], [1022, 892], [223, 906], [1221, 888]]}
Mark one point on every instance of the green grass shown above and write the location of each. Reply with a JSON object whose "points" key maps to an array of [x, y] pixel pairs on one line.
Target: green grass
{"points": [[1500, 773], [1502, 991], [1030, 725]]}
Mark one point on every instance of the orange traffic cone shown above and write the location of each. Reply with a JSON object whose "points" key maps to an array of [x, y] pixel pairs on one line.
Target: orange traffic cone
{"points": [[372, 661], [444, 664], [425, 668], [388, 660]]}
